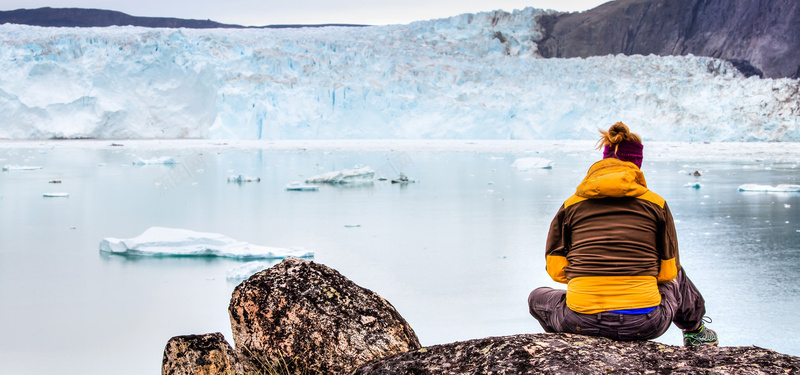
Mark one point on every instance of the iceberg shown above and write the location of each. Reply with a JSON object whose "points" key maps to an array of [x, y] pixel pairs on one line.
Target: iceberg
{"points": [[164, 242], [243, 178], [525, 164], [55, 195], [165, 160], [781, 188], [21, 167], [345, 176], [297, 186], [246, 270], [402, 179]]}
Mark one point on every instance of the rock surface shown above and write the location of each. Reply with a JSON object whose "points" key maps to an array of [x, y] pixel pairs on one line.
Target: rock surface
{"points": [[756, 35], [300, 317], [207, 354], [575, 354], [314, 319]]}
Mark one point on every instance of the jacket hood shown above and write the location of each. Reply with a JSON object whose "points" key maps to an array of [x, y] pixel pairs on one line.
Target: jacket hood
{"points": [[612, 178]]}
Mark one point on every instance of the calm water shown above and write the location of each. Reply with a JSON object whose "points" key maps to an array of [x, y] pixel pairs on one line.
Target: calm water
{"points": [[456, 253]]}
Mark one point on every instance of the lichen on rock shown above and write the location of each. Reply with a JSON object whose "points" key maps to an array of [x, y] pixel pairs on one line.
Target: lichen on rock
{"points": [[577, 354], [316, 318], [207, 354]]}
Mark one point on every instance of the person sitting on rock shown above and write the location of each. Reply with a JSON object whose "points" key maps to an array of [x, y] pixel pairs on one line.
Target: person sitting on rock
{"points": [[614, 244]]}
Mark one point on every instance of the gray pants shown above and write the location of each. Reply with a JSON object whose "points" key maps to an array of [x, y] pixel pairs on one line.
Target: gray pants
{"points": [[681, 303]]}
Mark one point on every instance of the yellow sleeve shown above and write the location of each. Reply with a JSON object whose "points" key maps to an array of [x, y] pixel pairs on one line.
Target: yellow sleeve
{"points": [[668, 271], [555, 268]]}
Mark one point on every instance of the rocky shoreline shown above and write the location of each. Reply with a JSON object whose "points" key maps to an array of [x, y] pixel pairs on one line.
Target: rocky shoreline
{"points": [[301, 317]]}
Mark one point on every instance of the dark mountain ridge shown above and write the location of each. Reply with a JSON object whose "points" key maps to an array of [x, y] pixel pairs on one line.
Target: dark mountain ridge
{"points": [[79, 17], [756, 35]]}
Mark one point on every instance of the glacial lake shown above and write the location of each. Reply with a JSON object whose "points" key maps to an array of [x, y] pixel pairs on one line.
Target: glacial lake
{"points": [[456, 252]]}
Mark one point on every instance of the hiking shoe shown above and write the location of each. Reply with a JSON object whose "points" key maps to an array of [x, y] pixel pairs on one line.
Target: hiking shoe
{"points": [[700, 336]]}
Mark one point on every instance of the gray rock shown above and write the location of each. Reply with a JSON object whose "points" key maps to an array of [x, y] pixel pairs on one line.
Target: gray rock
{"points": [[308, 317], [576, 354], [207, 354], [755, 35]]}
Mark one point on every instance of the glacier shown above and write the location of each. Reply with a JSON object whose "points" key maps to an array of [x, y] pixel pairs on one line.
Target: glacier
{"points": [[471, 76]]}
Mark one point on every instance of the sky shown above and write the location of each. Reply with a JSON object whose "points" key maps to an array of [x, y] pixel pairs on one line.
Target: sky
{"points": [[271, 12]]}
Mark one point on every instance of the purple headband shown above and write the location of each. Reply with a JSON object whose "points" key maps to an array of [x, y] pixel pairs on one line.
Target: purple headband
{"points": [[626, 151]]}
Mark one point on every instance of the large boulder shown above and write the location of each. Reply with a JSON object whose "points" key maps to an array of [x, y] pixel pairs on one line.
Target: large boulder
{"points": [[207, 354], [756, 35], [304, 316], [576, 354]]}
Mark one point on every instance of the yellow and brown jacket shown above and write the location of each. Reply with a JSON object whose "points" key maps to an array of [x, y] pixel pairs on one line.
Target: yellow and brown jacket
{"points": [[613, 241]]}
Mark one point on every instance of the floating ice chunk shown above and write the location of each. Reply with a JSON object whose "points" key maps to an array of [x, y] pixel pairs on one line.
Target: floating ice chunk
{"points": [[242, 178], [297, 186], [345, 176], [402, 179], [159, 241], [525, 164], [786, 205], [694, 185], [246, 270], [56, 195], [21, 167], [165, 160], [781, 188]]}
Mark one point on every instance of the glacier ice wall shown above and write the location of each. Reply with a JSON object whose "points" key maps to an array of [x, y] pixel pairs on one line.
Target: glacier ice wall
{"points": [[473, 76]]}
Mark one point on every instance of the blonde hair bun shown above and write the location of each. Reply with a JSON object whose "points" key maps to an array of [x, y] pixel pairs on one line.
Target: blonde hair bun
{"points": [[616, 134]]}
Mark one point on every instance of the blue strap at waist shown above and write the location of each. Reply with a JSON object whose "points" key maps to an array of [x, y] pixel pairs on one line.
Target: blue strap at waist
{"points": [[643, 310]]}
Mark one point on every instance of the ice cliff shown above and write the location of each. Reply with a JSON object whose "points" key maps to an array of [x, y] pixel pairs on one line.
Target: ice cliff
{"points": [[473, 76]]}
